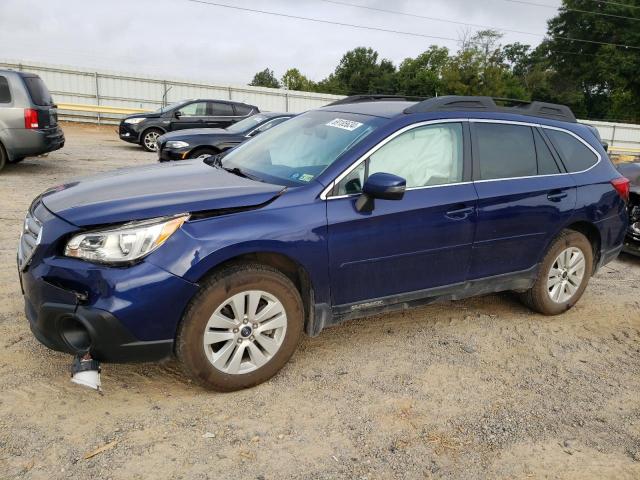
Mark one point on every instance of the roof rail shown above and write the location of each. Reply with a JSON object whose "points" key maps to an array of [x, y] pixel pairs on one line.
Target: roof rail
{"points": [[375, 98], [488, 104]]}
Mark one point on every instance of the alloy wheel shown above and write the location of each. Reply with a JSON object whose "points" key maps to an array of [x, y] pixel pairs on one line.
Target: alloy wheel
{"points": [[245, 332], [151, 140], [566, 275]]}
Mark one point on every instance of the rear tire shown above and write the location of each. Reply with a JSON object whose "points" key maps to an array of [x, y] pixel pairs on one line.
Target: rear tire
{"points": [[241, 328], [150, 138], [3, 157], [563, 275]]}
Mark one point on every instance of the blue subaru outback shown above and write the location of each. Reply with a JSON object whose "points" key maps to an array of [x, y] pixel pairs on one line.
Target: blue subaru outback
{"points": [[356, 208]]}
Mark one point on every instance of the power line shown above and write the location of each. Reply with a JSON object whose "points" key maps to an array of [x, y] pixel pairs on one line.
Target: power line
{"points": [[318, 20], [397, 12], [436, 19], [544, 5], [365, 27]]}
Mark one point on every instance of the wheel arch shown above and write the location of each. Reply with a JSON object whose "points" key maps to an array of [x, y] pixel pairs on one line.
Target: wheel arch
{"points": [[151, 127], [285, 264], [592, 233], [203, 148]]}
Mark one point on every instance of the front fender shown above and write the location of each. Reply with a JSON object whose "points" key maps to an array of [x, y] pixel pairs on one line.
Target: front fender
{"points": [[298, 232]]}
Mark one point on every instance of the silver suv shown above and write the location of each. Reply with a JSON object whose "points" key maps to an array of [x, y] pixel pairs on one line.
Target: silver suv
{"points": [[28, 118]]}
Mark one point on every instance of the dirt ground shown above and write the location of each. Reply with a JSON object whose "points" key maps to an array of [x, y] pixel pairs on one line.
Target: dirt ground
{"points": [[474, 389]]}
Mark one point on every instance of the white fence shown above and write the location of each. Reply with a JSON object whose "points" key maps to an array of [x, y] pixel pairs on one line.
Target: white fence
{"points": [[109, 89], [621, 137], [81, 86]]}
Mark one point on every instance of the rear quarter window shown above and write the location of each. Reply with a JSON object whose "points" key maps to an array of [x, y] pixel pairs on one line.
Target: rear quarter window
{"points": [[243, 110], [5, 93], [38, 91], [575, 155]]}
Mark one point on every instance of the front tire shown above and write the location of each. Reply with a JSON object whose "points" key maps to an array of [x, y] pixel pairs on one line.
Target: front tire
{"points": [[563, 275], [203, 153], [150, 139], [241, 328]]}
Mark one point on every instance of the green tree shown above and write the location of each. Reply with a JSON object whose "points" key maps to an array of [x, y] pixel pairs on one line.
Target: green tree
{"points": [[601, 81], [360, 72], [294, 80], [265, 78], [479, 68], [422, 76]]}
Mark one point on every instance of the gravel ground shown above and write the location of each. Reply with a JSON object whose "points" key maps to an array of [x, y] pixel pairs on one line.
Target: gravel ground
{"points": [[481, 388]]}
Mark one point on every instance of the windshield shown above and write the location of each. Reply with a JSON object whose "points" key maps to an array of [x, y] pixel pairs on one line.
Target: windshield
{"points": [[298, 150], [246, 124], [168, 107]]}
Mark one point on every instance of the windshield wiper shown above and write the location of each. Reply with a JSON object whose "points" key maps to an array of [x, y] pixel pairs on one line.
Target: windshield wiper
{"points": [[240, 173], [216, 161]]}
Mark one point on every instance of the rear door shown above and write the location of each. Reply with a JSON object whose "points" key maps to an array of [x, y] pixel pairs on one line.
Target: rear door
{"points": [[406, 246], [220, 115], [524, 197]]}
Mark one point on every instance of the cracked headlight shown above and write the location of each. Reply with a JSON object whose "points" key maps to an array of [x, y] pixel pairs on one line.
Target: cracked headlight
{"points": [[126, 243]]}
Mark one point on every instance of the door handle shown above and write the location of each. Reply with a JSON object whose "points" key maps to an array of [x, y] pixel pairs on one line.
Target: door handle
{"points": [[459, 213], [556, 195]]}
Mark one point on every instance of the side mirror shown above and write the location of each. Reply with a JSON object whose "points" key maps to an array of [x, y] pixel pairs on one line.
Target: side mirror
{"points": [[384, 186], [605, 145], [177, 114]]}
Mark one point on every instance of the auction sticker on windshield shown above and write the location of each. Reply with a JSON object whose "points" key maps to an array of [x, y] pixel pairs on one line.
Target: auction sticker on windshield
{"points": [[344, 124]]}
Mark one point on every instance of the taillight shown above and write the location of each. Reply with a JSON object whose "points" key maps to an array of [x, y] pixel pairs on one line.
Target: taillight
{"points": [[622, 185], [30, 118]]}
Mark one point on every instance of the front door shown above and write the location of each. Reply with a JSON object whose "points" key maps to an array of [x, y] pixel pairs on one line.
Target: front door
{"points": [[191, 115], [420, 242]]}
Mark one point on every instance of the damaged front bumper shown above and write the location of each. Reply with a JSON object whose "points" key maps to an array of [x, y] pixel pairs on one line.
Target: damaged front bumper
{"points": [[117, 314]]}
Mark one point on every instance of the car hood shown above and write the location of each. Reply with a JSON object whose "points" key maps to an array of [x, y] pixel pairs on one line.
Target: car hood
{"points": [[154, 191], [142, 115]]}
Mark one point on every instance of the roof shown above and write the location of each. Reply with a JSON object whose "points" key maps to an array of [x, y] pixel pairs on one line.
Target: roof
{"points": [[385, 109], [390, 106]]}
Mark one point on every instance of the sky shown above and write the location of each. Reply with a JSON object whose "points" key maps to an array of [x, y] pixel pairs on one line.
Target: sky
{"points": [[197, 41]]}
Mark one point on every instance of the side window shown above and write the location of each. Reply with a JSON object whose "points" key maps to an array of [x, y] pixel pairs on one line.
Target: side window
{"points": [[575, 155], [353, 182], [197, 109], [5, 93], [423, 156], [546, 163], [505, 151], [243, 110], [221, 109]]}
